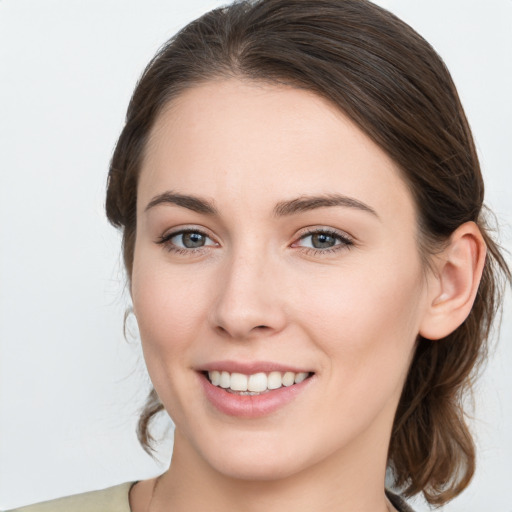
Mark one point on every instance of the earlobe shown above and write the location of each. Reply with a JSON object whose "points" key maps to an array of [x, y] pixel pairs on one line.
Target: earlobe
{"points": [[458, 270]]}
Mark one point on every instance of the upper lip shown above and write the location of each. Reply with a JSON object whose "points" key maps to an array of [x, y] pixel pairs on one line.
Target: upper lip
{"points": [[250, 367]]}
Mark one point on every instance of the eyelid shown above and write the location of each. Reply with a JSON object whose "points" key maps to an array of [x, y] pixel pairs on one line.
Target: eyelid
{"points": [[180, 233], [186, 228], [167, 236], [344, 241], [307, 231]]}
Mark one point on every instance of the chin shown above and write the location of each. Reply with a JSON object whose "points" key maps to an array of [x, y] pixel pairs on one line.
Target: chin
{"points": [[258, 460], [260, 470]]}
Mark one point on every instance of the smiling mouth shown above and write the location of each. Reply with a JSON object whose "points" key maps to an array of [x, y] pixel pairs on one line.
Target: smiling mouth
{"points": [[256, 383]]}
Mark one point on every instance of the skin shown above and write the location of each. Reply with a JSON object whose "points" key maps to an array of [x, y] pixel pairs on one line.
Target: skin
{"points": [[258, 291]]}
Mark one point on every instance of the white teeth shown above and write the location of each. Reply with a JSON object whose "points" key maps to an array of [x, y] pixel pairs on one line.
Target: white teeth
{"points": [[257, 382], [215, 377], [275, 380], [299, 377], [225, 379], [288, 379], [238, 382]]}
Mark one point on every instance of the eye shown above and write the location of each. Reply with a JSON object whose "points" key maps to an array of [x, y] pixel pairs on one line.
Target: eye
{"points": [[189, 239], [186, 240], [323, 240]]}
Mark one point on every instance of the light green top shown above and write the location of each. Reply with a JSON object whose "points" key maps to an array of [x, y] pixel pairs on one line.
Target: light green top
{"points": [[113, 499]]}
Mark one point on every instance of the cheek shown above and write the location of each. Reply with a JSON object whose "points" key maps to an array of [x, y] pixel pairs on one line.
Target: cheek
{"points": [[367, 318], [169, 307], [367, 328]]}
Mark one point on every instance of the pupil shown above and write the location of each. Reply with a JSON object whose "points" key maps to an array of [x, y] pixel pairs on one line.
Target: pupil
{"points": [[322, 241], [192, 240]]}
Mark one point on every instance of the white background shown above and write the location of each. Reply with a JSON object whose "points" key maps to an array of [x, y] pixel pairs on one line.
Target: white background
{"points": [[70, 385]]}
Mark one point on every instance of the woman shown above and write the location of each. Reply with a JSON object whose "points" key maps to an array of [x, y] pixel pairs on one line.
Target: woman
{"points": [[303, 232]]}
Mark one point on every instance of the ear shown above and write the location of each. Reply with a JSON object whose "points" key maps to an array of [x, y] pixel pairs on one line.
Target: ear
{"points": [[454, 282]]}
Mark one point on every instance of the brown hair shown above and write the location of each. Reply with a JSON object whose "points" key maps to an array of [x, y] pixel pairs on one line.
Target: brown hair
{"points": [[394, 86]]}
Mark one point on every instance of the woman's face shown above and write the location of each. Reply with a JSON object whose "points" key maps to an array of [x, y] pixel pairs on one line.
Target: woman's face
{"points": [[273, 238]]}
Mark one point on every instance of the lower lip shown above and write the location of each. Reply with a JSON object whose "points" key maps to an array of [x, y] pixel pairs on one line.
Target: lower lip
{"points": [[251, 406]]}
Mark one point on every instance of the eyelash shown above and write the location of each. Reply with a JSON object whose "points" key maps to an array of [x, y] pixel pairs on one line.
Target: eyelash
{"points": [[165, 241], [345, 242]]}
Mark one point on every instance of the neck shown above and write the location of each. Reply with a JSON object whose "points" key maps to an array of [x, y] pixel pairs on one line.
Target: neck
{"points": [[345, 482]]}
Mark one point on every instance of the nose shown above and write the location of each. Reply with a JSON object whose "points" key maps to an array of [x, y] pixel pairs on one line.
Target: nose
{"points": [[250, 300]]}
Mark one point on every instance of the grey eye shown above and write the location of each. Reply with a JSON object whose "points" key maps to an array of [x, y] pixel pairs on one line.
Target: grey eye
{"points": [[190, 240], [323, 240]]}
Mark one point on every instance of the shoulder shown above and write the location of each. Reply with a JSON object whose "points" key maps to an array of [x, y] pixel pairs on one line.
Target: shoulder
{"points": [[112, 499]]}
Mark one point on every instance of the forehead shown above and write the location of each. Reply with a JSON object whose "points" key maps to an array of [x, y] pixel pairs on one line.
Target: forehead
{"points": [[238, 140]]}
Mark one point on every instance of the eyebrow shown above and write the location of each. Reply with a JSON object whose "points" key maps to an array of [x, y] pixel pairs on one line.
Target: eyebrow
{"points": [[193, 203], [282, 209], [307, 203]]}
